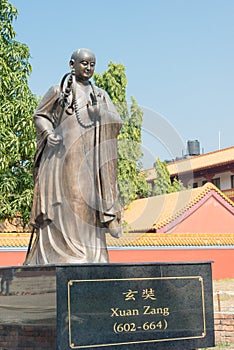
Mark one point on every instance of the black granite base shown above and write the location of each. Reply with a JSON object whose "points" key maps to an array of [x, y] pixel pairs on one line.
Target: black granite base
{"points": [[107, 306]]}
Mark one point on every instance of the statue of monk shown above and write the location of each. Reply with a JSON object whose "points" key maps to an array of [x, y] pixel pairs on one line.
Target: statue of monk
{"points": [[75, 173]]}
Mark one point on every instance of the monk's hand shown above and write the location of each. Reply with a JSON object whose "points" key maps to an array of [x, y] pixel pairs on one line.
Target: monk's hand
{"points": [[53, 140], [94, 110]]}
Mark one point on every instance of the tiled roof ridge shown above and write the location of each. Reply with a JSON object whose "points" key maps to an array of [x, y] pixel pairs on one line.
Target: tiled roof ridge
{"points": [[14, 239], [222, 194], [139, 240], [202, 192], [27, 234], [14, 225], [15, 234], [174, 240]]}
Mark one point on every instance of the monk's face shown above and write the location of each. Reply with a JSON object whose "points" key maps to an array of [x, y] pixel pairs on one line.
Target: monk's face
{"points": [[84, 65]]}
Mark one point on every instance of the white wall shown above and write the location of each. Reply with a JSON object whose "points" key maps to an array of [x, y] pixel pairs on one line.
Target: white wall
{"points": [[225, 180]]}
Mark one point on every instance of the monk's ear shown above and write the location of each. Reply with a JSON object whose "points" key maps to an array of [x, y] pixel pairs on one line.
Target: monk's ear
{"points": [[71, 63]]}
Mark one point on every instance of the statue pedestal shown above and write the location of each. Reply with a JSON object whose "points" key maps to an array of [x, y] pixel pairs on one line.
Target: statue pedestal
{"points": [[107, 306]]}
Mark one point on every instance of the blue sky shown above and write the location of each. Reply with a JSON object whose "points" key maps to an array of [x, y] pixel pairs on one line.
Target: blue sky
{"points": [[178, 54]]}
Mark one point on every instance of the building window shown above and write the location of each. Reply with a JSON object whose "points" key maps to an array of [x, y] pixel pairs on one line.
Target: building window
{"points": [[195, 185], [216, 182], [232, 181], [204, 182]]}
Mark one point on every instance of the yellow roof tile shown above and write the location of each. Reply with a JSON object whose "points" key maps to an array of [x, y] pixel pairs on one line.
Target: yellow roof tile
{"points": [[139, 239], [171, 240], [152, 213], [14, 239]]}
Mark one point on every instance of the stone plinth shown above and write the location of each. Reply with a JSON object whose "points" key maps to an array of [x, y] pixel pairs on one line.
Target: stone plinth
{"points": [[107, 306]]}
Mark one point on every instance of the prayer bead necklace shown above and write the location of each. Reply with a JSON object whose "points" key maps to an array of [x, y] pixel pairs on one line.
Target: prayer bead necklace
{"points": [[76, 109]]}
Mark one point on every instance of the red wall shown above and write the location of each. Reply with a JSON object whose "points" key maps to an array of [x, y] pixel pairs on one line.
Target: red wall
{"points": [[212, 216], [12, 258], [223, 266]]}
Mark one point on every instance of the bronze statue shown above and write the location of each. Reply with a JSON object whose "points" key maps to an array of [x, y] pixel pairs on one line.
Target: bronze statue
{"points": [[75, 196]]}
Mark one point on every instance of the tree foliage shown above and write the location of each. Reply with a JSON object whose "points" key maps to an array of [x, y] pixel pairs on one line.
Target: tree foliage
{"points": [[17, 135], [163, 183], [132, 183]]}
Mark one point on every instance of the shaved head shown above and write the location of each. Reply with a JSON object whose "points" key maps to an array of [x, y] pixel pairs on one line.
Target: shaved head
{"points": [[81, 54]]}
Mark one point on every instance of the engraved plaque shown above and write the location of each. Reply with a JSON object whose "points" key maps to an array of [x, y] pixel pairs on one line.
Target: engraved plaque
{"points": [[140, 311]]}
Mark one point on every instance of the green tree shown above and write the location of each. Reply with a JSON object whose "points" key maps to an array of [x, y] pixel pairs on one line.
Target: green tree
{"points": [[162, 183], [132, 183], [17, 134]]}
